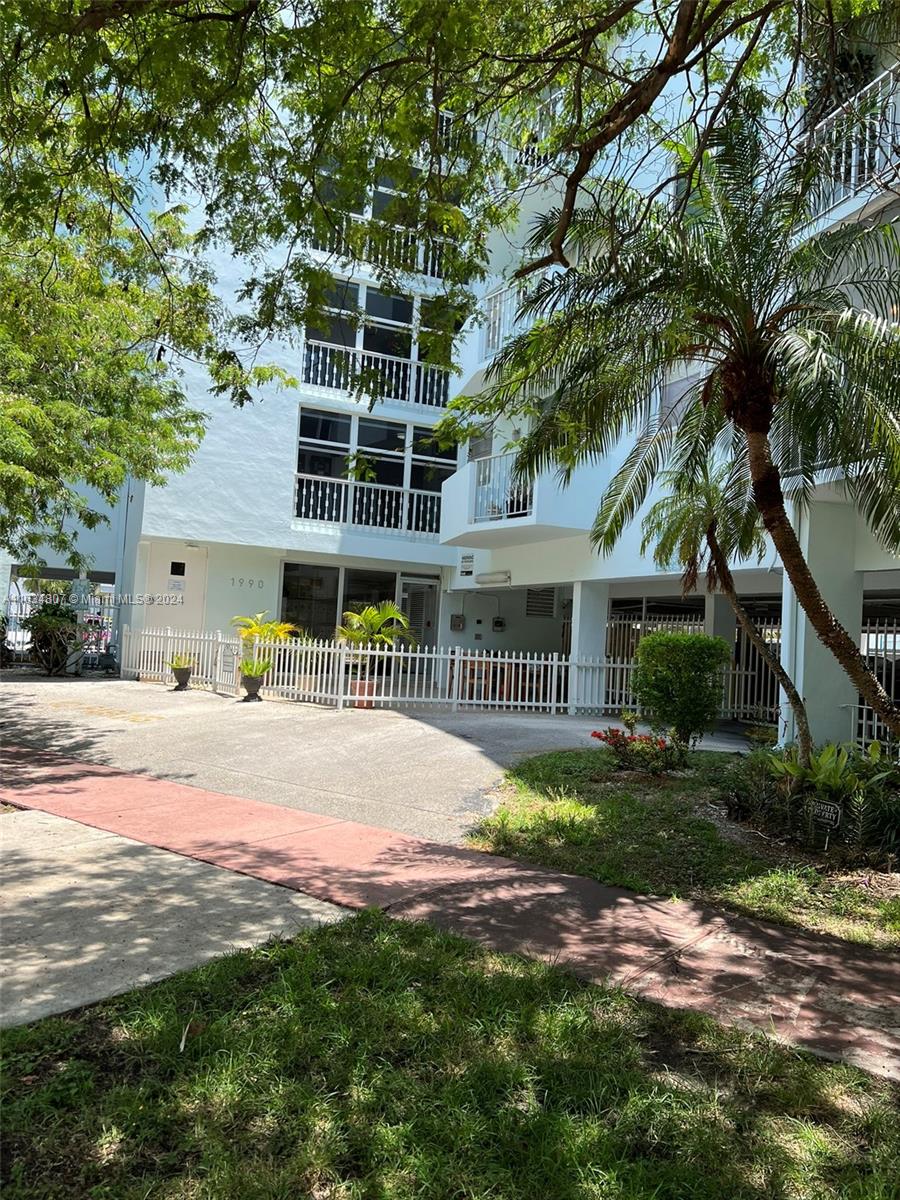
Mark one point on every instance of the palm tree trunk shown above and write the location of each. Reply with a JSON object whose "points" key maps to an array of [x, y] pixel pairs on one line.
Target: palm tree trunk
{"points": [[769, 499], [726, 586]]}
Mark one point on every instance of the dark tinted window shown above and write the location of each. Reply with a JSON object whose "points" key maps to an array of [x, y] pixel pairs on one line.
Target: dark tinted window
{"points": [[382, 340], [368, 587], [382, 435], [324, 426], [342, 295], [338, 331], [389, 308], [309, 598], [327, 464], [424, 444], [176, 568], [428, 477]]}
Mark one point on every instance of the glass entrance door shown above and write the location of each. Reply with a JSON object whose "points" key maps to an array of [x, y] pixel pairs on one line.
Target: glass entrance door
{"points": [[418, 599]]}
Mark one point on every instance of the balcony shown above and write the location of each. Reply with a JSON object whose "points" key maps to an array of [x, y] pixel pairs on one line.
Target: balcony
{"points": [[861, 142], [395, 247], [502, 319], [485, 506], [368, 507], [379, 377], [499, 496]]}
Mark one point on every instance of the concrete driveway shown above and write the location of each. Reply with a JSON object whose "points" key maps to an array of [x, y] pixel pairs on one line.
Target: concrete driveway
{"points": [[422, 773]]}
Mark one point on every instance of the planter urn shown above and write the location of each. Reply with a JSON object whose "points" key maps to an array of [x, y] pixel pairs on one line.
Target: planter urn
{"points": [[251, 685], [360, 689], [182, 677]]}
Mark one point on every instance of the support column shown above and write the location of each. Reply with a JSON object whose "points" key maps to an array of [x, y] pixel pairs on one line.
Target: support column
{"points": [[718, 618], [590, 614], [827, 533]]}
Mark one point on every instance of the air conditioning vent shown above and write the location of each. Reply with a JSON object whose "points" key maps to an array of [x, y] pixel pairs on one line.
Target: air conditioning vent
{"points": [[540, 602]]}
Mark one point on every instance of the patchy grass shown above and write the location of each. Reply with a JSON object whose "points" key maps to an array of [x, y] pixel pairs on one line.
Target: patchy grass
{"points": [[570, 810], [381, 1059]]}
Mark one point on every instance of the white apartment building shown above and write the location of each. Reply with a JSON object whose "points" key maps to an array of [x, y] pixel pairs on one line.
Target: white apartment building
{"points": [[314, 499]]}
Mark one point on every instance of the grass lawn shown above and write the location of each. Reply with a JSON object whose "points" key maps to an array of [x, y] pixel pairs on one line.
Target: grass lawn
{"points": [[381, 1059], [570, 810]]}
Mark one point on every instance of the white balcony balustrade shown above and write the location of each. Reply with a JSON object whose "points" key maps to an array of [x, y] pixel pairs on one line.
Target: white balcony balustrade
{"points": [[397, 247], [378, 376], [499, 496], [861, 141], [373, 507]]}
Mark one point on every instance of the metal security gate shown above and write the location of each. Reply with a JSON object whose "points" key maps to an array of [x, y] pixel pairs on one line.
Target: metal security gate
{"points": [[96, 616]]}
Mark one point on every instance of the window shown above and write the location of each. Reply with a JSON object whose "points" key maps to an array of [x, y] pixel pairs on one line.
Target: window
{"points": [[324, 443], [309, 595], [425, 445], [176, 568], [382, 435], [428, 477], [320, 426], [481, 446], [357, 469], [362, 588], [389, 308]]}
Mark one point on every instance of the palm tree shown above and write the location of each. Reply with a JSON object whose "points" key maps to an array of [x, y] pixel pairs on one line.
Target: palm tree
{"points": [[382, 624], [259, 629], [795, 376], [712, 521]]}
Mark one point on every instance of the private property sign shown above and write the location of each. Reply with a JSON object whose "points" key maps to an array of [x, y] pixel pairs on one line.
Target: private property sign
{"points": [[825, 812]]}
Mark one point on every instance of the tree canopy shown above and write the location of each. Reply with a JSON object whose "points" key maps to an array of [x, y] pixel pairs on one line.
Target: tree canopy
{"points": [[279, 113], [273, 119]]}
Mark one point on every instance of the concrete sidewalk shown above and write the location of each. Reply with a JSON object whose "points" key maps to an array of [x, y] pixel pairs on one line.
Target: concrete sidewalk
{"points": [[88, 914], [820, 993]]}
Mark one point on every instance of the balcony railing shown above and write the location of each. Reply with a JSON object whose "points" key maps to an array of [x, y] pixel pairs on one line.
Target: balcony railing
{"points": [[861, 141], [378, 376], [395, 247], [403, 512], [498, 494]]}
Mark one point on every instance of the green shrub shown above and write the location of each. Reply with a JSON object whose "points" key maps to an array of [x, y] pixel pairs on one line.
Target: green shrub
{"points": [[678, 681], [866, 786], [771, 790], [54, 631], [750, 792]]}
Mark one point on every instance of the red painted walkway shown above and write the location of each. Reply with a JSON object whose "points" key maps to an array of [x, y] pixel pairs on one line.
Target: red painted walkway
{"points": [[820, 993]]}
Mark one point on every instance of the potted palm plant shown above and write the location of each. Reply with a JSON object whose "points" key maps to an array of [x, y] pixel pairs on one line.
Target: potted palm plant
{"points": [[181, 666], [252, 672], [376, 626], [255, 629]]}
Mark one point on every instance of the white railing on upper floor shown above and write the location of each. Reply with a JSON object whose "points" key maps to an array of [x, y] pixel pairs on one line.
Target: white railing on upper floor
{"points": [[396, 247], [374, 507], [499, 495], [378, 376], [501, 319], [861, 141]]}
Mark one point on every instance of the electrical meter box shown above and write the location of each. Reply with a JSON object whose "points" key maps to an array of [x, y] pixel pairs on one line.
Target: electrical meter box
{"points": [[457, 622]]}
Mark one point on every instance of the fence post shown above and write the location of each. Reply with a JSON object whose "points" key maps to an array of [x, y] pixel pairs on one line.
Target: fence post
{"points": [[554, 678], [573, 685], [125, 660], [457, 672], [217, 662], [341, 672], [167, 657]]}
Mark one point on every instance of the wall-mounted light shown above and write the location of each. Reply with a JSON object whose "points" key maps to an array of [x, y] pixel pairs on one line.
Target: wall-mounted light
{"points": [[493, 577]]}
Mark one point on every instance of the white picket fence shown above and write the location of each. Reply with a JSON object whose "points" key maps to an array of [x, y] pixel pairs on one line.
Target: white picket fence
{"points": [[327, 672]]}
